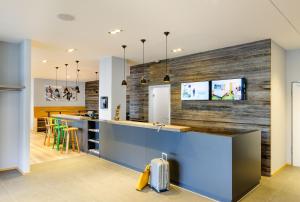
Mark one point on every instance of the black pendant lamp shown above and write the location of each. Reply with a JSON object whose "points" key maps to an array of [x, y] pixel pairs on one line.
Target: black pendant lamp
{"points": [[167, 77], [124, 82], [77, 79], [66, 88], [56, 89], [96, 80], [143, 80]]}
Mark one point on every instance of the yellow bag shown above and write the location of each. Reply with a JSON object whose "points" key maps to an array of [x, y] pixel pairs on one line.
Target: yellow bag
{"points": [[143, 179]]}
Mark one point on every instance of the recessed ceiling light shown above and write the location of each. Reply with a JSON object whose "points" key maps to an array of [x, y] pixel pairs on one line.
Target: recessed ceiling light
{"points": [[115, 31], [65, 17], [44, 61], [70, 50], [177, 50]]}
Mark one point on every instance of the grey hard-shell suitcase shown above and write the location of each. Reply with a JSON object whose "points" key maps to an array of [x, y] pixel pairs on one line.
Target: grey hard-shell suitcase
{"points": [[159, 174]]}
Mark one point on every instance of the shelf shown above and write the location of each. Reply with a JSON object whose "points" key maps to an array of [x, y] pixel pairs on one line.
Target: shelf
{"points": [[10, 88], [94, 151], [94, 141]]}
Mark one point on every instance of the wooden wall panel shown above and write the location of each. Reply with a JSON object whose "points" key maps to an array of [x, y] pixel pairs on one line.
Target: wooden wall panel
{"points": [[251, 61], [92, 95]]}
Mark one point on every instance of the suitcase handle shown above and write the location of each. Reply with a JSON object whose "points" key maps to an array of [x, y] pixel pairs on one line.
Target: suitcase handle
{"points": [[164, 156]]}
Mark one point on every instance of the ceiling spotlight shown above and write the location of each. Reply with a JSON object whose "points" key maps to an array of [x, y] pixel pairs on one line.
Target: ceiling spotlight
{"points": [[66, 17], [70, 50], [115, 31], [44, 61], [177, 50]]}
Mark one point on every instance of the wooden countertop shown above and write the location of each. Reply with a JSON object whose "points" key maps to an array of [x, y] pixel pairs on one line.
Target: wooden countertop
{"points": [[173, 128], [67, 116]]}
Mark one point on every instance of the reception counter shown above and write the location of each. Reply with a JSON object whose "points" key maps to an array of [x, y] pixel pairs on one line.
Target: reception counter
{"points": [[219, 166]]}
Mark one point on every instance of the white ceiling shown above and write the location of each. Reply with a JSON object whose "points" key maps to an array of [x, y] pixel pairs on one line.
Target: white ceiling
{"points": [[195, 26]]}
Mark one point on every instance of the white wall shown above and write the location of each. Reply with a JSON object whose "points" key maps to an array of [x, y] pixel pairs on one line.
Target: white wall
{"points": [[293, 74], [111, 76], [278, 108], [15, 106], [39, 93], [26, 108], [105, 86]]}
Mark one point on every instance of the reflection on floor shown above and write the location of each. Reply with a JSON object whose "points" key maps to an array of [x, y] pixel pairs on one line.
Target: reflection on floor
{"points": [[40, 153]]}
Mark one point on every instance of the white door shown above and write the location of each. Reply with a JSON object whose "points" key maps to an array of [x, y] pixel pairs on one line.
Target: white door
{"points": [[296, 124], [159, 104]]}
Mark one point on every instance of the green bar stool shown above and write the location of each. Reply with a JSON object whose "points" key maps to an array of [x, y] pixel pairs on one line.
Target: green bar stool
{"points": [[59, 132]]}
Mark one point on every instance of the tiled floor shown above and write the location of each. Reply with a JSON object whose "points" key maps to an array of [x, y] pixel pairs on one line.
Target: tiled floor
{"points": [[82, 179], [87, 178], [40, 153], [282, 187]]}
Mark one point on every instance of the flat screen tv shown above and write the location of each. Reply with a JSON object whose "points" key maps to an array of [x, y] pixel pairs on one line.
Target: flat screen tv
{"points": [[195, 91], [231, 89]]}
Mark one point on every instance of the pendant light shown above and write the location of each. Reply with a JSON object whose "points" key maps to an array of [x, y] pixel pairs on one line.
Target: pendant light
{"points": [[66, 88], [56, 89], [167, 77], [124, 82], [96, 80], [77, 79], [143, 80]]}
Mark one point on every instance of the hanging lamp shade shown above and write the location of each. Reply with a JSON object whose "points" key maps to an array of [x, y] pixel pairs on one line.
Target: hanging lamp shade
{"points": [[77, 89], [143, 80], [66, 88], [77, 79], [167, 77], [96, 80], [124, 82], [56, 89]]}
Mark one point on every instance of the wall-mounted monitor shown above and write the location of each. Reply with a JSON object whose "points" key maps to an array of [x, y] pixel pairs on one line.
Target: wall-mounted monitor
{"points": [[231, 89], [195, 91]]}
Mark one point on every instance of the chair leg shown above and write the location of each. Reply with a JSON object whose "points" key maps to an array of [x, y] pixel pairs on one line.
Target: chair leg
{"points": [[49, 136], [77, 143], [58, 139], [63, 142], [68, 142], [73, 140], [54, 138], [45, 137]]}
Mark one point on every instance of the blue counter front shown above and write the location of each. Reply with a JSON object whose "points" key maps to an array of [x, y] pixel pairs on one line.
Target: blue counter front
{"points": [[223, 167]]}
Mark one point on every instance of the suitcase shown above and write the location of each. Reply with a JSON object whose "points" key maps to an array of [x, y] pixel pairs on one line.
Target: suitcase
{"points": [[159, 174]]}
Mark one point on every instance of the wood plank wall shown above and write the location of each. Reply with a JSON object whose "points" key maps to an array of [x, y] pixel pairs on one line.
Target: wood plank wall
{"points": [[251, 61], [92, 95]]}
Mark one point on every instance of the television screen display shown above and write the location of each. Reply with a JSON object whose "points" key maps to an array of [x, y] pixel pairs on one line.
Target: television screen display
{"points": [[232, 89], [195, 91]]}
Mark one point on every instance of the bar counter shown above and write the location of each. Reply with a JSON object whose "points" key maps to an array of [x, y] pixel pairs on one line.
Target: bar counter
{"points": [[174, 128], [220, 166]]}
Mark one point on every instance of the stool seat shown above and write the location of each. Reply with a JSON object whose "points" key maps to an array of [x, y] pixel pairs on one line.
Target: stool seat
{"points": [[70, 129], [49, 130], [59, 126], [71, 136]]}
